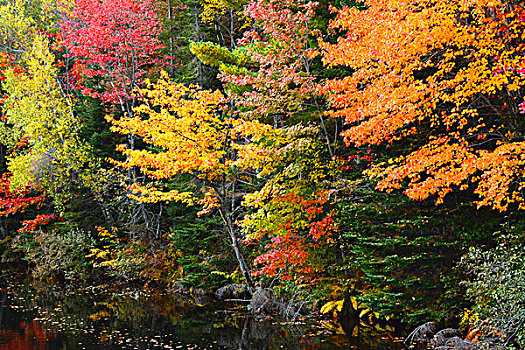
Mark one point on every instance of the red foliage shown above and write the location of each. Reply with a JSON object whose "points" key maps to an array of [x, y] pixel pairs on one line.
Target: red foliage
{"points": [[285, 252], [4, 64], [280, 51], [292, 254], [18, 201], [30, 226], [113, 40], [295, 238], [12, 202]]}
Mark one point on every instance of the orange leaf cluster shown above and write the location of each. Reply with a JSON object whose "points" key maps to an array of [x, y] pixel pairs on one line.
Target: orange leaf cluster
{"points": [[446, 73], [30, 226]]}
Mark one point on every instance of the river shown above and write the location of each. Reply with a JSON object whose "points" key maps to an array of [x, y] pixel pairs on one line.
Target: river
{"points": [[40, 315]]}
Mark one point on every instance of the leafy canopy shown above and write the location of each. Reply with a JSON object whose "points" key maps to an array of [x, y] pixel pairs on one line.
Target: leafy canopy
{"points": [[441, 79], [189, 136], [40, 127]]}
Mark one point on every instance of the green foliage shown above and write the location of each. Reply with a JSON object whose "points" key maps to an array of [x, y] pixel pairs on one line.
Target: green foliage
{"points": [[213, 54], [178, 28], [55, 253], [497, 286], [95, 129], [199, 245], [401, 255]]}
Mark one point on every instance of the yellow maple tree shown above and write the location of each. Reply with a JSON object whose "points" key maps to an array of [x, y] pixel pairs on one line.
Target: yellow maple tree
{"points": [[190, 135]]}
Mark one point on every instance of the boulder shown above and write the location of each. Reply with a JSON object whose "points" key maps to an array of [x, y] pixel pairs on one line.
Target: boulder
{"points": [[438, 341], [457, 343], [441, 337], [233, 291], [200, 296], [422, 334], [264, 302], [448, 332]]}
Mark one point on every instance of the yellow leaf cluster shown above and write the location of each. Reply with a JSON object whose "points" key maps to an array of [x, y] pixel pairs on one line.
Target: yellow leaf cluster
{"points": [[38, 114], [188, 134], [21, 21]]}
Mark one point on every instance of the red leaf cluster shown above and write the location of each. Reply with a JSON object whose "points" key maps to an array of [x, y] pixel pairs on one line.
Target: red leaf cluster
{"points": [[113, 41]]}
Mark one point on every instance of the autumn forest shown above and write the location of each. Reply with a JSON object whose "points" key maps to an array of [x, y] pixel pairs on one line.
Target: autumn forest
{"points": [[356, 155]]}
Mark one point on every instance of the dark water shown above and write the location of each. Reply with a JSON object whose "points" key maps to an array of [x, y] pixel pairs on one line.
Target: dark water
{"points": [[45, 316]]}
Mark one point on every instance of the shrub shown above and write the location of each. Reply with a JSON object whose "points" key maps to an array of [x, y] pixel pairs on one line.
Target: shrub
{"points": [[54, 253], [497, 287]]}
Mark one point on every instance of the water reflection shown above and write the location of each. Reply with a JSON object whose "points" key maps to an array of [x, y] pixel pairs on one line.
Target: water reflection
{"points": [[45, 316]]}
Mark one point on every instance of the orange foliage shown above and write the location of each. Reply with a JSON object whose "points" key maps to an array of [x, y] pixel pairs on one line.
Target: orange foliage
{"points": [[449, 74], [7, 62]]}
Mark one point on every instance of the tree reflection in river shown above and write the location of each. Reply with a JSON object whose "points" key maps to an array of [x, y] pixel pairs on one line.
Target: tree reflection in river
{"points": [[39, 316]]}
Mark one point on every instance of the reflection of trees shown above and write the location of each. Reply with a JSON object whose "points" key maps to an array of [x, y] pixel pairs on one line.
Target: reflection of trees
{"points": [[16, 334], [31, 336], [104, 308], [252, 333], [112, 317]]}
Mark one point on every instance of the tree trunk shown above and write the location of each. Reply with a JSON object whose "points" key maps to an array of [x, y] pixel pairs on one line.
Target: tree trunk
{"points": [[242, 263], [238, 252]]}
